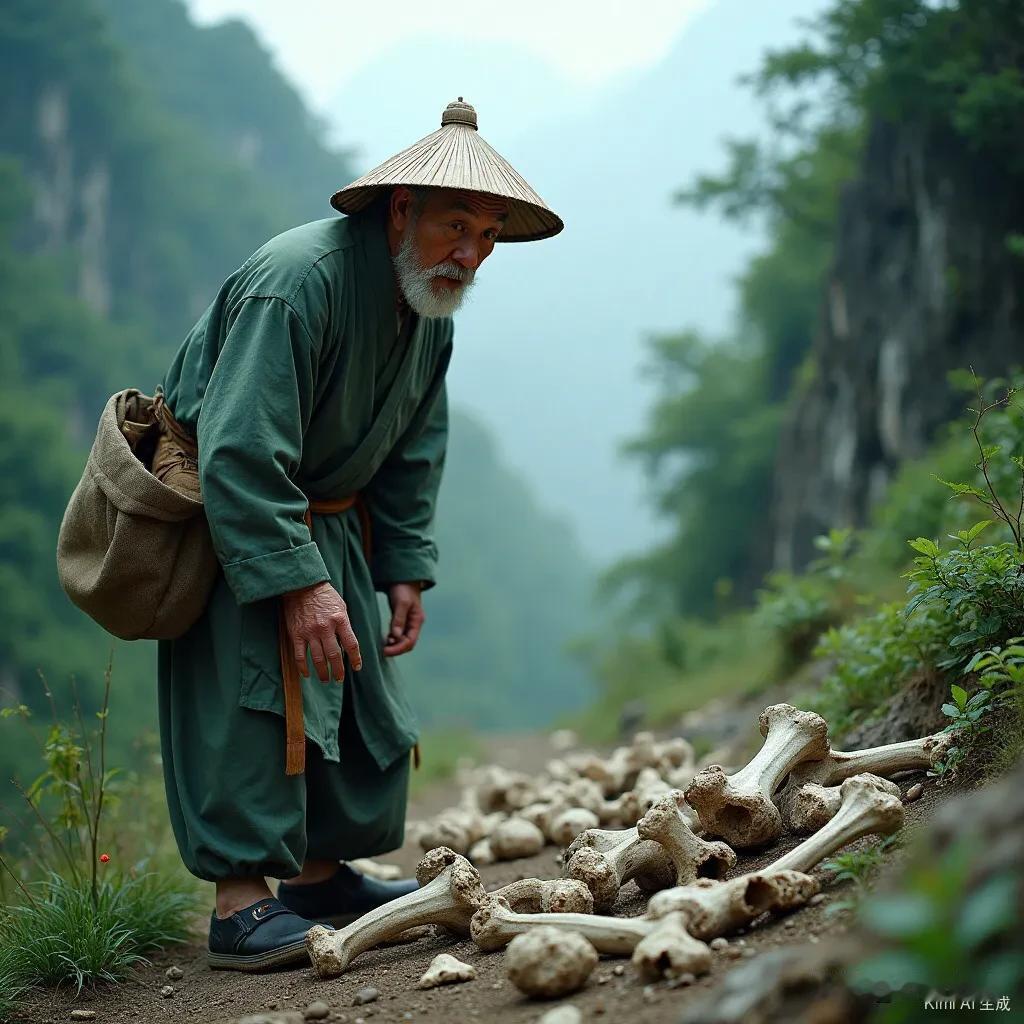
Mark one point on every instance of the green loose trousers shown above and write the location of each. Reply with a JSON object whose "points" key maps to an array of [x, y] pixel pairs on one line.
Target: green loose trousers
{"points": [[297, 385]]}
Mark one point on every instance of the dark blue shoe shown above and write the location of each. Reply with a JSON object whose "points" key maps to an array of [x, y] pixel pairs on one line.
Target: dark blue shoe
{"points": [[343, 897], [258, 938]]}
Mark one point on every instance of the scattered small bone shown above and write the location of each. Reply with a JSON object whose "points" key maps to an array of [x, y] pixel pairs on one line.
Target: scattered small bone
{"points": [[865, 810], [618, 970], [719, 943], [317, 1010], [556, 896], [548, 963], [733, 952], [914, 792], [444, 969], [739, 807], [480, 853], [818, 897], [691, 856], [516, 838], [562, 1015], [450, 893], [565, 827], [83, 1014], [563, 739], [669, 950], [365, 995], [375, 869], [174, 974], [167, 992]]}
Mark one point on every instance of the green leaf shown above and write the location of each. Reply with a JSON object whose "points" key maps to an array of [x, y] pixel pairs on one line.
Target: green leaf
{"points": [[900, 915], [988, 911], [950, 710], [959, 695], [978, 527], [978, 699], [924, 545], [965, 638]]}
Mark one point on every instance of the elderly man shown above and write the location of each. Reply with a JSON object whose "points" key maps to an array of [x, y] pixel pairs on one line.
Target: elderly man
{"points": [[314, 385]]}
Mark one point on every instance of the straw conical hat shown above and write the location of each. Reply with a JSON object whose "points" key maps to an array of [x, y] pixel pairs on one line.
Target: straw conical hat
{"points": [[455, 156]]}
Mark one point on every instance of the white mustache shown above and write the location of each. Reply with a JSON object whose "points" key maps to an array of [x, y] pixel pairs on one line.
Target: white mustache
{"points": [[451, 270]]}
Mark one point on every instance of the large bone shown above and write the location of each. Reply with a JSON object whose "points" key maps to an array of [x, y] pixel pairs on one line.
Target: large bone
{"points": [[739, 807], [494, 926], [717, 908], [865, 810], [806, 810], [450, 893], [811, 806], [536, 896], [667, 948]]}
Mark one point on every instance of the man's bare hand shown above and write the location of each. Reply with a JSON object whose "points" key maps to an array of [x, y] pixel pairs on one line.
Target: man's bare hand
{"points": [[317, 616], [407, 618]]}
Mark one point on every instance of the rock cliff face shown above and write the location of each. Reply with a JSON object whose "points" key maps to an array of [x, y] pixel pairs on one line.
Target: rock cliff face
{"points": [[923, 282]]}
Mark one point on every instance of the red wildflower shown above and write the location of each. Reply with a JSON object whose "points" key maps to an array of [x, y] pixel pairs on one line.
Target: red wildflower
{"points": [[104, 857]]}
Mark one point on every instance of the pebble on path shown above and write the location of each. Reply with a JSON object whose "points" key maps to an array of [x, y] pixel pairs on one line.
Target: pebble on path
{"points": [[365, 995], [561, 1015], [167, 992], [174, 973], [719, 943], [914, 792], [83, 1014], [317, 1010]]}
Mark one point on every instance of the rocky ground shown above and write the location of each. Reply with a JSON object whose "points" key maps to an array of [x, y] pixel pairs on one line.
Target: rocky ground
{"points": [[387, 977]]}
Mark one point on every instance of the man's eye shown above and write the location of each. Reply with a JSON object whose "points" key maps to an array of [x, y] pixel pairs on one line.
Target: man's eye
{"points": [[458, 225]]}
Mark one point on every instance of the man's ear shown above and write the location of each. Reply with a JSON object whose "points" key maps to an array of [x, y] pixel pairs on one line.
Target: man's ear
{"points": [[400, 207]]}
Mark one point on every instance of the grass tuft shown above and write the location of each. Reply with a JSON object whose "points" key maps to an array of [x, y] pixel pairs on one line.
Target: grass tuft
{"points": [[60, 938]]}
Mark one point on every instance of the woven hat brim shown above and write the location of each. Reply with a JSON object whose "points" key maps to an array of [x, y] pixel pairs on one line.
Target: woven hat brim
{"points": [[456, 157]]}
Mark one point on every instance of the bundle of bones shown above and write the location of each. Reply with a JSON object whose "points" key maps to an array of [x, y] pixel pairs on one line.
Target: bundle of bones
{"points": [[644, 814]]}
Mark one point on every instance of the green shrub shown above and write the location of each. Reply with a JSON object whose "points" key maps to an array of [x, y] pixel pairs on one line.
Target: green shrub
{"points": [[875, 657], [92, 915], [65, 935]]}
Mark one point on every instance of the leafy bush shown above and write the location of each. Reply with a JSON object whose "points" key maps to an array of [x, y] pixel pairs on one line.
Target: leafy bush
{"points": [[875, 657]]}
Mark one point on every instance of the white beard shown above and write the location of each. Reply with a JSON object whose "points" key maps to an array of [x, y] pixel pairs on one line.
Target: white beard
{"points": [[417, 283]]}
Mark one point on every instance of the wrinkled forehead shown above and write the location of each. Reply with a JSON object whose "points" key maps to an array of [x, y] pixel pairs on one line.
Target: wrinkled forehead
{"points": [[476, 203]]}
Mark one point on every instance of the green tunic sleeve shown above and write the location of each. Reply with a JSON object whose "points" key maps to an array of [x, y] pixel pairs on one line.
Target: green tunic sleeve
{"points": [[402, 497], [254, 415]]}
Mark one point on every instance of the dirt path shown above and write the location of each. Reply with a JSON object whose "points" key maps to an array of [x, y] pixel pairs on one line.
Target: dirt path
{"points": [[207, 997]]}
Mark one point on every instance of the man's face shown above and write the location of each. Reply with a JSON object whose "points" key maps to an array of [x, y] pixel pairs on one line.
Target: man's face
{"points": [[438, 249]]}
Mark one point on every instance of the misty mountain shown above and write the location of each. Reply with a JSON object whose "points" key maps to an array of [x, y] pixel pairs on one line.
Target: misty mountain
{"points": [[549, 349]]}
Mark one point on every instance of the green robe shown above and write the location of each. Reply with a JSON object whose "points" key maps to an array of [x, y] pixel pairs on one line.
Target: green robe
{"points": [[296, 383]]}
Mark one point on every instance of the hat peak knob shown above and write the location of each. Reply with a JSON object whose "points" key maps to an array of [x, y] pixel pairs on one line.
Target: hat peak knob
{"points": [[459, 112]]}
